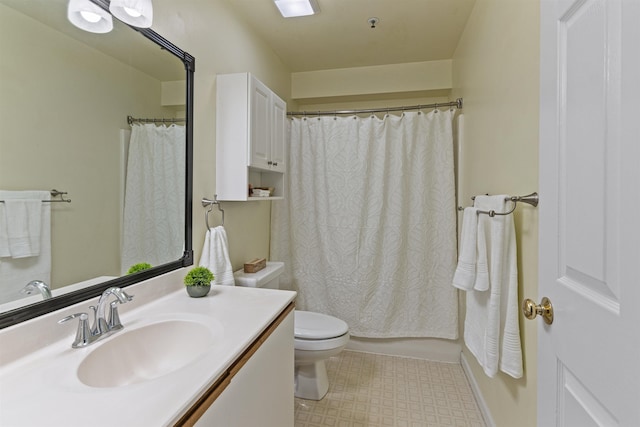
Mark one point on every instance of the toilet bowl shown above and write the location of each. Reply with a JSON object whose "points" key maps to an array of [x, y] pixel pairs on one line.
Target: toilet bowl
{"points": [[317, 336]]}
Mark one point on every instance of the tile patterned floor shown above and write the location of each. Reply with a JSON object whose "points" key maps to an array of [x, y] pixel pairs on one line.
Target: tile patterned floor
{"points": [[370, 390]]}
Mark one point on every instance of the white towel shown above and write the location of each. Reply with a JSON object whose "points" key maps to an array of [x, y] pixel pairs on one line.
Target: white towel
{"points": [[24, 221], [15, 273], [5, 252], [215, 256], [482, 268], [465, 274], [491, 329]]}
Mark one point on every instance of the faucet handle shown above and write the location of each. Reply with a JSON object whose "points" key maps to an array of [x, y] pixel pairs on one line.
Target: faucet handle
{"points": [[83, 334], [94, 328], [82, 316], [114, 317]]}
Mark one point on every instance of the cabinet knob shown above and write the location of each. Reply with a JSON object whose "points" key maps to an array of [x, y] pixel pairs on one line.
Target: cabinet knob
{"points": [[274, 163], [269, 162]]}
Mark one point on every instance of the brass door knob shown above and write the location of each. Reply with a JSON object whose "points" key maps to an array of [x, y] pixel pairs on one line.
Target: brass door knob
{"points": [[545, 309]]}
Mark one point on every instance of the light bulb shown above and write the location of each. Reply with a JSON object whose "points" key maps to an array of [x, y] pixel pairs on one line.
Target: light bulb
{"points": [[132, 12], [90, 16], [137, 13]]}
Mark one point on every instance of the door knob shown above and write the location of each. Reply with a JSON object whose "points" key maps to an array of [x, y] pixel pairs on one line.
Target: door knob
{"points": [[545, 309]]}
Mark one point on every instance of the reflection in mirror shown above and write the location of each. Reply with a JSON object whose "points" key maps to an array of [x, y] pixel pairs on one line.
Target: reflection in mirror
{"points": [[65, 96]]}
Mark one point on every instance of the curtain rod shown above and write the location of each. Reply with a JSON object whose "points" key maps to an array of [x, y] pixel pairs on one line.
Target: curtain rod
{"points": [[132, 120], [457, 103]]}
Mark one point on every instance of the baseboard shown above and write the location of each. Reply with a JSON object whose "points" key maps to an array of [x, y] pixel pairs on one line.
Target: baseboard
{"points": [[482, 405], [434, 349]]}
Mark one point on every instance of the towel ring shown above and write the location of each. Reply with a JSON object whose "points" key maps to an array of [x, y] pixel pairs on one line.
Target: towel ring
{"points": [[206, 202]]}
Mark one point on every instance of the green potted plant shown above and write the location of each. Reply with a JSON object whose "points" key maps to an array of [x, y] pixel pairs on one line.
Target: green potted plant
{"points": [[139, 267], [198, 281]]}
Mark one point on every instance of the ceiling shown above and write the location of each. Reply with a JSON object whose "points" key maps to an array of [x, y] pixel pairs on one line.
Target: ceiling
{"points": [[340, 36]]}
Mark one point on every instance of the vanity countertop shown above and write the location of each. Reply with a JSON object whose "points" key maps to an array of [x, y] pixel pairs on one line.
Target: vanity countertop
{"points": [[43, 388]]}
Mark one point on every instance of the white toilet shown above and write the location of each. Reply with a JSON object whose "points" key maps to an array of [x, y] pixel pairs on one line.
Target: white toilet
{"points": [[317, 336]]}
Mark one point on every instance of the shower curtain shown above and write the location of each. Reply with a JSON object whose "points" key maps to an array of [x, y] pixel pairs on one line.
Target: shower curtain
{"points": [[367, 229], [153, 230]]}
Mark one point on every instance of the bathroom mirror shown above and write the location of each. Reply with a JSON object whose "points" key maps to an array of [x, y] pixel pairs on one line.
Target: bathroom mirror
{"points": [[65, 95]]}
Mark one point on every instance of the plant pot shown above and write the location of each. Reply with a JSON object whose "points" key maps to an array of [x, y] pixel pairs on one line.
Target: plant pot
{"points": [[198, 290]]}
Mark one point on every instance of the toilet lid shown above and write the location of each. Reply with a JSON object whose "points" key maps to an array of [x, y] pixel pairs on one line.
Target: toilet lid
{"points": [[318, 326]]}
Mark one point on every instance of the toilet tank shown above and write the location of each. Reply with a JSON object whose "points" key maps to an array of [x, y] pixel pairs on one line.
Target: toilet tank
{"points": [[268, 277]]}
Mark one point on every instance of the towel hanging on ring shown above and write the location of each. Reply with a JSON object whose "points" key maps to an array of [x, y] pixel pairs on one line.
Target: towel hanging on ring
{"points": [[215, 256]]}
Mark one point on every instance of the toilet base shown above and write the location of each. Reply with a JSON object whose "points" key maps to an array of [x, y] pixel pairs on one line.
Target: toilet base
{"points": [[312, 382]]}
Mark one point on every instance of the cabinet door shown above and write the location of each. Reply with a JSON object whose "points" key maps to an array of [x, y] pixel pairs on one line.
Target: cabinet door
{"points": [[261, 393], [278, 133], [260, 134]]}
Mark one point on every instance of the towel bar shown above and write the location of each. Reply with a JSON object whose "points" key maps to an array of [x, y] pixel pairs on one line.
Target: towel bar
{"points": [[531, 199], [54, 193]]}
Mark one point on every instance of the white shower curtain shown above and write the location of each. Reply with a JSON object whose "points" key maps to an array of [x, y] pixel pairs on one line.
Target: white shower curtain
{"points": [[367, 229], [153, 230]]}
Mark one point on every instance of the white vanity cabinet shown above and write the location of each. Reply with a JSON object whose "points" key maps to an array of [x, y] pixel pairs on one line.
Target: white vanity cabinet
{"points": [[258, 388], [240, 374], [250, 137]]}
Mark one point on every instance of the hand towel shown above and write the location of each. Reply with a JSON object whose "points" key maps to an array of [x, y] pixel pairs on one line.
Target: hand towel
{"points": [[23, 220], [491, 329], [215, 256], [4, 234], [465, 274], [482, 268]]}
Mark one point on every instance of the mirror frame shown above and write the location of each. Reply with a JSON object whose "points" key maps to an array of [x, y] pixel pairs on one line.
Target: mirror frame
{"points": [[31, 311]]}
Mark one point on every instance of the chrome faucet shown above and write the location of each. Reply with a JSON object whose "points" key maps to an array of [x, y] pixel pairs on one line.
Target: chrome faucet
{"points": [[37, 285], [102, 327]]}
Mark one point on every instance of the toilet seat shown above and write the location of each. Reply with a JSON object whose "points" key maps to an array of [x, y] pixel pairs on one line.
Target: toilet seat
{"points": [[321, 345], [318, 326]]}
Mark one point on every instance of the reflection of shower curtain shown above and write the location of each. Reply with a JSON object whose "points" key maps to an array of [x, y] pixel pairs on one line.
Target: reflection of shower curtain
{"points": [[154, 196], [367, 228]]}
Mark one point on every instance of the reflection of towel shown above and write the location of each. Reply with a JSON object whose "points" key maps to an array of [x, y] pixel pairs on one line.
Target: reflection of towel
{"points": [[4, 234], [215, 256], [491, 329], [465, 274], [15, 273], [23, 220]]}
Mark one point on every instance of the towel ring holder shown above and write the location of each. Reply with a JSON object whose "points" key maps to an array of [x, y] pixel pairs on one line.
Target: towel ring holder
{"points": [[207, 202]]}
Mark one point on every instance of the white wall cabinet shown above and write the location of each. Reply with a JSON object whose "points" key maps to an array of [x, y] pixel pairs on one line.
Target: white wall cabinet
{"points": [[250, 137]]}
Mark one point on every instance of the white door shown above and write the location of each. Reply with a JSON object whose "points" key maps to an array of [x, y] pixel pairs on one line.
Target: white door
{"points": [[589, 357]]}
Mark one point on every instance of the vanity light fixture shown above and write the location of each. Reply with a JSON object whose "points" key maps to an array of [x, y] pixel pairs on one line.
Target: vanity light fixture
{"points": [[294, 8], [88, 16], [137, 13]]}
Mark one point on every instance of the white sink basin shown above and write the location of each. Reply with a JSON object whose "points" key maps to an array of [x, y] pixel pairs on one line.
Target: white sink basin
{"points": [[151, 351]]}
